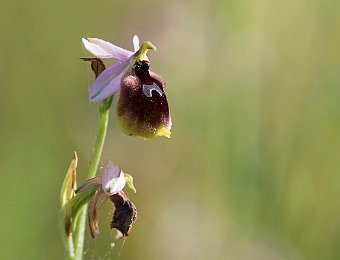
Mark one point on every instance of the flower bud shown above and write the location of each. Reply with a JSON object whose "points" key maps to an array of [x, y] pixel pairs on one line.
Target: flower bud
{"points": [[142, 106]]}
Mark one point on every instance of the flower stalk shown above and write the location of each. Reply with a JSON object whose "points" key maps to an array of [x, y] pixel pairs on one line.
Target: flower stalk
{"points": [[79, 232]]}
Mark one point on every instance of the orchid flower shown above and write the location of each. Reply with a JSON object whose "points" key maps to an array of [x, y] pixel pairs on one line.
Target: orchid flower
{"points": [[142, 107], [110, 185]]}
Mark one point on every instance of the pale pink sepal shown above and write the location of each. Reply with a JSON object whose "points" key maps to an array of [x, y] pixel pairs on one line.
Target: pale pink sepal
{"points": [[103, 49], [113, 179]]}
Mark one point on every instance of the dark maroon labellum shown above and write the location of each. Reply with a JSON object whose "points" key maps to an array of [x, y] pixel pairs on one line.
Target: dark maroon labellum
{"points": [[142, 107]]}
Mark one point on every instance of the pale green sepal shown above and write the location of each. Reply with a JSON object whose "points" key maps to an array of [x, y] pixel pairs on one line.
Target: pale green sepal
{"points": [[129, 182]]}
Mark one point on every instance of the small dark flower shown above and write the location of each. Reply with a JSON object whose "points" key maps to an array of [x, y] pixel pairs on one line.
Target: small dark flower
{"points": [[142, 106], [111, 185]]}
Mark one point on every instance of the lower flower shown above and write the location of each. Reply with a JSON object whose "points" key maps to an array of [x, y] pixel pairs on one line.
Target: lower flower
{"points": [[110, 185]]}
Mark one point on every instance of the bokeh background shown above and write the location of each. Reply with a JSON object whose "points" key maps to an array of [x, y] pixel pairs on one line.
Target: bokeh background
{"points": [[252, 168]]}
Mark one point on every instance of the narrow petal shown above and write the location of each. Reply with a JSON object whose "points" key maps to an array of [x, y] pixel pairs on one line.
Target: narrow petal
{"points": [[108, 82], [98, 199], [135, 43], [113, 179], [103, 49], [88, 183]]}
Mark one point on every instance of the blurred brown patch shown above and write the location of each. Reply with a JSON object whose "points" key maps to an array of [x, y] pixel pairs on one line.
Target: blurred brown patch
{"points": [[125, 214], [97, 65]]}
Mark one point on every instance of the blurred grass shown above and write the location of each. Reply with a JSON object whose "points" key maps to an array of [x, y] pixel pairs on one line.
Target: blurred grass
{"points": [[252, 168]]}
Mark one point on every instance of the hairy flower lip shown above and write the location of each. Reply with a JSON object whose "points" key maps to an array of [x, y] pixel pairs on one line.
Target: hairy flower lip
{"points": [[142, 107]]}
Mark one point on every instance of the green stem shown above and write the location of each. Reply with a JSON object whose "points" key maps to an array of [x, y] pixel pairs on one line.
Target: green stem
{"points": [[79, 235], [79, 231]]}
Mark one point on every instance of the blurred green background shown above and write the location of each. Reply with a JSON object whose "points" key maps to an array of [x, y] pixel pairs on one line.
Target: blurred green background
{"points": [[252, 168]]}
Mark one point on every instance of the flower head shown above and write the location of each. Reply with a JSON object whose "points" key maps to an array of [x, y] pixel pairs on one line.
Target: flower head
{"points": [[110, 185], [142, 106]]}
